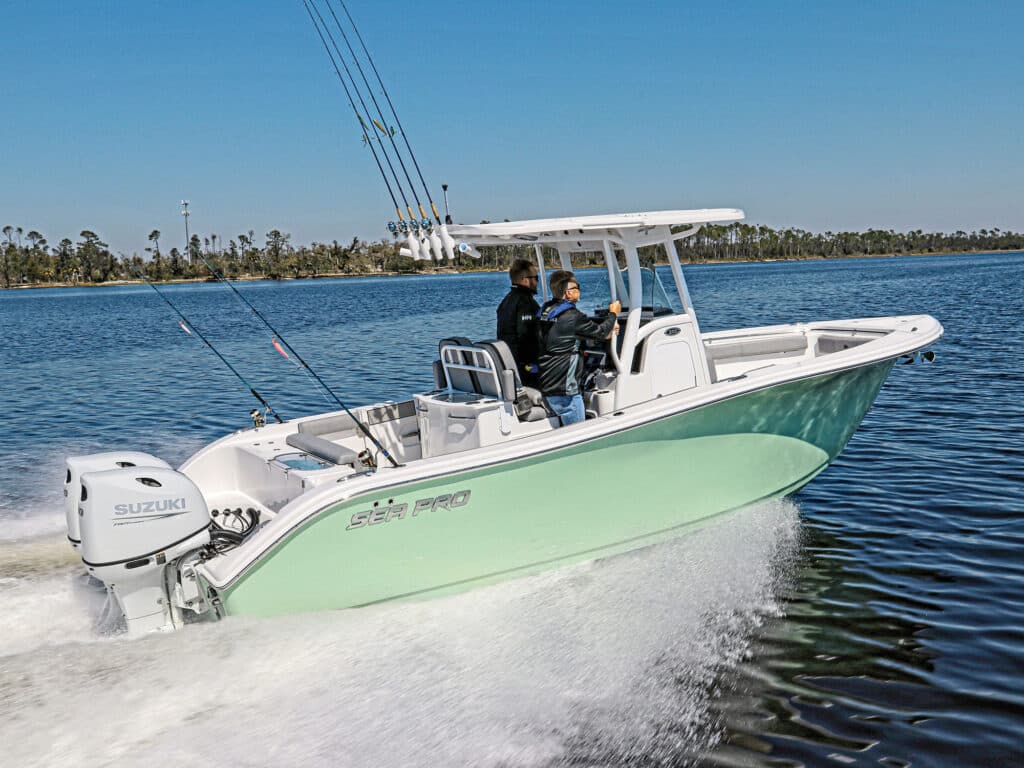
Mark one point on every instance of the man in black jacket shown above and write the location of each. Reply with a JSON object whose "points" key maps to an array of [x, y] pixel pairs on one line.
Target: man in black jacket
{"points": [[562, 330], [517, 316]]}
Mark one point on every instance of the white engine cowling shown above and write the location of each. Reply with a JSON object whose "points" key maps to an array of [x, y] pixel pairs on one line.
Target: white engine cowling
{"points": [[135, 523], [76, 466]]}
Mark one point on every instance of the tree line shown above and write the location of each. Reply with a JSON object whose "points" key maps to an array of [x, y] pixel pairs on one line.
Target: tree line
{"points": [[748, 242], [29, 259]]}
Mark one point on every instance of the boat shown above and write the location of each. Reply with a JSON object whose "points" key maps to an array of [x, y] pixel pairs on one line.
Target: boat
{"points": [[475, 481]]}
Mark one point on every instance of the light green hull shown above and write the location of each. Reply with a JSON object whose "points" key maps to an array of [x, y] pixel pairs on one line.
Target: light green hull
{"points": [[597, 498]]}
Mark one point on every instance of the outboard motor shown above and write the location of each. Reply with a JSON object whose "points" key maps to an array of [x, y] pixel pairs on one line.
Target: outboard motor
{"points": [[76, 466], [135, 524]]}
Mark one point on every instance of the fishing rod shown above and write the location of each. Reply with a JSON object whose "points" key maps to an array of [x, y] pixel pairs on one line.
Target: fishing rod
{"points": [[368, 129], [351, 103], [425, 225], [394, 113], [380, 112], [278, 337], [411, 229], [190, 329], [422, 238]]}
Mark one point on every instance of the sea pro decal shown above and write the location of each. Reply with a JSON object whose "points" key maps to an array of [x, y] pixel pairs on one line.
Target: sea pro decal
{"points": [[386, 514]]}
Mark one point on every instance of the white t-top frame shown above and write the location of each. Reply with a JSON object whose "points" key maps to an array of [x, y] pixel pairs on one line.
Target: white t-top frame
{"points": [[626, 232]]}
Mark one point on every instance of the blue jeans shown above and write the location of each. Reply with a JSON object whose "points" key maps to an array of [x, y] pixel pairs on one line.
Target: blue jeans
{"points": [[569, 408]]}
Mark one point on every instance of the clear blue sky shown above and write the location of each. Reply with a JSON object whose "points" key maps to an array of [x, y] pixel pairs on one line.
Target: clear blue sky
{"points": [[823, 115]]}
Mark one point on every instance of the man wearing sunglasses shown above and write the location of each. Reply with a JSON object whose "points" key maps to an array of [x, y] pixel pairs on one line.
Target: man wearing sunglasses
{"points": [[517, 317], [563, 329]]}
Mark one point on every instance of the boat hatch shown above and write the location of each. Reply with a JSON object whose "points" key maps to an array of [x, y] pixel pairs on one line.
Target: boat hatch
{"points": [[302, 461]]}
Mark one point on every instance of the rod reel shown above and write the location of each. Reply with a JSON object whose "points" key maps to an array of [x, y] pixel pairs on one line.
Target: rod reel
{"points": [[259, 418]]}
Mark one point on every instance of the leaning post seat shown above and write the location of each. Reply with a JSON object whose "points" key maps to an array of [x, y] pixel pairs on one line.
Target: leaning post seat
{"points": [[488, 368], [512, 385], [479, 403]]}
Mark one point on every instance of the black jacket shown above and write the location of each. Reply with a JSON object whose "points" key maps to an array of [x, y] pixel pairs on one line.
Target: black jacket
{"points": [[560, 339], [517, 319]]}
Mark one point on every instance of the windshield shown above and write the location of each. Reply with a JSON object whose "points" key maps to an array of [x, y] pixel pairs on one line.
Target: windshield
{"points": [[655, 298], [652, 292]]}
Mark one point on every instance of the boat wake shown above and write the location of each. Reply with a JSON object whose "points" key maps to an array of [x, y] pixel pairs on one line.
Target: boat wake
{"points": [[610, 662]]}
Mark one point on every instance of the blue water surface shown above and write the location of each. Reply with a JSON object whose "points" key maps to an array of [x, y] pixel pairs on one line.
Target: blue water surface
{"points": [[901, 636]]}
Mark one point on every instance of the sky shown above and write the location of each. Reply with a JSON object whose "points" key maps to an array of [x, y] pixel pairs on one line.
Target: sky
{"points": [[820, 115]]}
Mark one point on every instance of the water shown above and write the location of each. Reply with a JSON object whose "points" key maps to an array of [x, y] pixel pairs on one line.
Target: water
{"points": [[877, 618]]}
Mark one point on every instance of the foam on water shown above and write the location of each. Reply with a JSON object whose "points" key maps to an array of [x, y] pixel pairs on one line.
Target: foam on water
{"points": [[31, 509], [601, 662], [44, 523]]}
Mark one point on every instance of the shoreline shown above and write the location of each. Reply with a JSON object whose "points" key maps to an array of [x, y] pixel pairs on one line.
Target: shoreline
{"points": [[453, 271]]}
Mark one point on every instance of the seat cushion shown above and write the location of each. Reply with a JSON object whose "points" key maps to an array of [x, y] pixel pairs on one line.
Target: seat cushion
{"points": [[327, 425], [502, 356], [322, 449], [536, 414], [531, 405]]}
